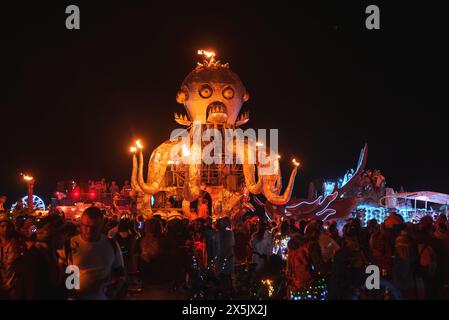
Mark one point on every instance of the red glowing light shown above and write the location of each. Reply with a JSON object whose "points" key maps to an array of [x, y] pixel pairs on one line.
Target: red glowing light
{"points": [[76, 193]]}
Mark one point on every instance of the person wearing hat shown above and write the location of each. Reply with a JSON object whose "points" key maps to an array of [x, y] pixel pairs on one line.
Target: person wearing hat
{"points": [[10, 250]]}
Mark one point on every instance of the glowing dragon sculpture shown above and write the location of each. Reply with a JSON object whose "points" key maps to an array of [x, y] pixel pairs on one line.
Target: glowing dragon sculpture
{"points": [[337, 205]]}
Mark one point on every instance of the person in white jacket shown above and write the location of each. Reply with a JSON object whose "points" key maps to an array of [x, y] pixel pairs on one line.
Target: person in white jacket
{"points": [[262, 245]]}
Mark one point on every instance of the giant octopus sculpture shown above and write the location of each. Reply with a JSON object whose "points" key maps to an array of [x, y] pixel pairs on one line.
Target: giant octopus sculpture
{"points": [[212, 95], [337, 205]]}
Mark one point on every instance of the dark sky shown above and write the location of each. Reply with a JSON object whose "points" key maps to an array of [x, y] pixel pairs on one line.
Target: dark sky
{"points": [[72, 101]]}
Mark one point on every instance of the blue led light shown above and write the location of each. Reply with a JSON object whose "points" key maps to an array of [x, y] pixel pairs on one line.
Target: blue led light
{"points": [[381, 213], [38, 203], [329, 187]]}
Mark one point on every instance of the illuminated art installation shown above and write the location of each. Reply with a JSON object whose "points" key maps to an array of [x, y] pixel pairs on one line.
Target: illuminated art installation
{"points": [[38, 203], [367, 212], [405, 208], [329, 188], [337, 203], [212, 95]]}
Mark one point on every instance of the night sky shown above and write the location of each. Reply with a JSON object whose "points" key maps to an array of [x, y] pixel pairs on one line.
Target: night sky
{"points": [[72, 101]]}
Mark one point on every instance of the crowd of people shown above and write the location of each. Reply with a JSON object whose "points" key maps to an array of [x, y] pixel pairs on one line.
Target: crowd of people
{"points": [[115, 255]]}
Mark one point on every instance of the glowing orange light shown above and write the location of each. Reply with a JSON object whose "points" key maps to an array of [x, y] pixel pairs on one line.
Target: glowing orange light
{"points": [[269, 284], [27, 178], [133, 149], [139, 144], [296, 163], [207, 54]]}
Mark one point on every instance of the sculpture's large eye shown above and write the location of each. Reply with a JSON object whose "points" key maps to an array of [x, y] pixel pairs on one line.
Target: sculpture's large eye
{"points": [[205, 91], [228, 93]]}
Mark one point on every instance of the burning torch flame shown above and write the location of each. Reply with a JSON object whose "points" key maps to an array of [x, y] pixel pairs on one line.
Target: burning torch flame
{"points": [[296, 163], [139, 144], [207, 54], [27, 177], [133, 149], [185, 151]]}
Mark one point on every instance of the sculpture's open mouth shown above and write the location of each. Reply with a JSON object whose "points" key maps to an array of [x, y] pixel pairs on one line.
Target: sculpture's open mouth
{"points": [[216, 112]]}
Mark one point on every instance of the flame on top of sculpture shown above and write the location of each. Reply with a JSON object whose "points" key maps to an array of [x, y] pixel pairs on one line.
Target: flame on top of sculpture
{"points": [[212, 93]]}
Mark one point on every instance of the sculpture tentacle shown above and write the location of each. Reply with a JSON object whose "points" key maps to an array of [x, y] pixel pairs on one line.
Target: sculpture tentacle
{"points": [[134, 183], [269, 186], [278, 184], [250, 180], [248, 169], [192, 181], [157, 167], [143, 200]]}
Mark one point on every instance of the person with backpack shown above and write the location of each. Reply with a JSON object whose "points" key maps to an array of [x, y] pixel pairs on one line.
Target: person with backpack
{"points": [[151, 243], [304, 281], [99, 259], [328, 247]]}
